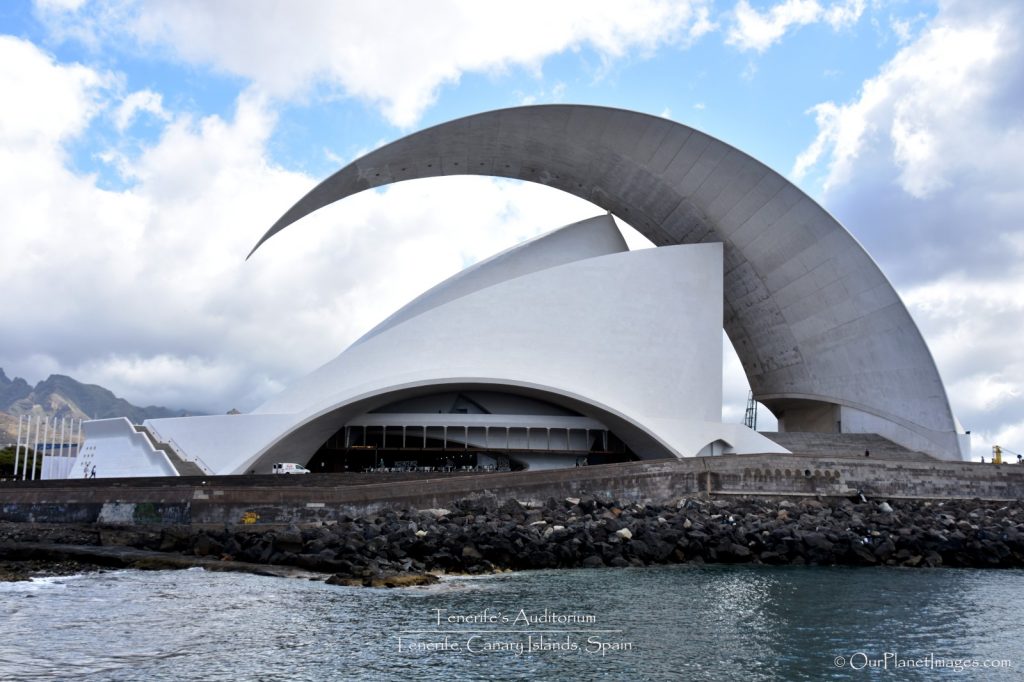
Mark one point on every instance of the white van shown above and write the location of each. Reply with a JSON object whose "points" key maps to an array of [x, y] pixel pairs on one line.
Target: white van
{"points": [[288, 468]]}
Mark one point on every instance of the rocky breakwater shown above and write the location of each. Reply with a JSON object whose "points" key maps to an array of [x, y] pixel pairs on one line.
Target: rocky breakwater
{"points": [[480, 536], [398, 548]]}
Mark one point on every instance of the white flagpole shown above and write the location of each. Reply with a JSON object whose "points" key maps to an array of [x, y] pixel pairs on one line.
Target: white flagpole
{"points": [[54, 463], [35, 453], [42, 455], [63, 458], [58, 466], [53, 437], [17, 447], [53, 441], [28, 436], [72, 449], [47, 434]]}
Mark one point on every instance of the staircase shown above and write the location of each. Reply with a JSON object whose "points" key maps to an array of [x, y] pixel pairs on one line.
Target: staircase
{"points": [[183, 467], [845, 445]]}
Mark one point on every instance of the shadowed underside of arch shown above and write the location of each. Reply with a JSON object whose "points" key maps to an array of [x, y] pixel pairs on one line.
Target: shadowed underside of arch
{"points": [[814, 321]]}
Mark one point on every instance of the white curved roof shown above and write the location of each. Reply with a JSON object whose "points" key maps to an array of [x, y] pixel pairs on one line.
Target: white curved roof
{"points": [[587, 238], [562, 316], [629, 339], [810, 314]]}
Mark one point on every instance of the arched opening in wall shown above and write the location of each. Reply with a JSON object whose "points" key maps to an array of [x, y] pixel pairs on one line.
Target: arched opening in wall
{"points": [[716, 448], [470, 429]]}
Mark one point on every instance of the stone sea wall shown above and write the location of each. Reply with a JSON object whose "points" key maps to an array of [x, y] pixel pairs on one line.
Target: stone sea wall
{"points": [[482, 535], [322, 498]]}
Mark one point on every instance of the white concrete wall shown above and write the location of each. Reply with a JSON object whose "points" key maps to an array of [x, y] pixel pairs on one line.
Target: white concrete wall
{"points": [[577, 326], [635, 335], [59, 467], [597, 236], [218, 443], [630, 340], [117, 450]]}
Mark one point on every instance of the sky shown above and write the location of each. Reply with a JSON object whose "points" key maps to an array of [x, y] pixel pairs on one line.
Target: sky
{"points": [[145, 146]]}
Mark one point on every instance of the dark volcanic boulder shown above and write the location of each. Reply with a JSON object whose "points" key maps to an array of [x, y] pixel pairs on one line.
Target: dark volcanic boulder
{"points": [[289, 540]]}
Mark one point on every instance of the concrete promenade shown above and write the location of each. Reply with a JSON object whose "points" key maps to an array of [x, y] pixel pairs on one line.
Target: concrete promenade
{"points": [[272, 500]]}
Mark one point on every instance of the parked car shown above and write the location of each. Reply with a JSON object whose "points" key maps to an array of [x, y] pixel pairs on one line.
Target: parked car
{"points": [[288, 468]]}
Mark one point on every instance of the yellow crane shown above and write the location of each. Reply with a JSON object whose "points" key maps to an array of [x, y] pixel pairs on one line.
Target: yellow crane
{"points": [[997, 454]]}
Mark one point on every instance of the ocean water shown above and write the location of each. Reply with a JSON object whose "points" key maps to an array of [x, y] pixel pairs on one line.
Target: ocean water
{"points": [[664, 623]]}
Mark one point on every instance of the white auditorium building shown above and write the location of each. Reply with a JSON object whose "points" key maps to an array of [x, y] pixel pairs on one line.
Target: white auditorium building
{"points": [[570, 349]]}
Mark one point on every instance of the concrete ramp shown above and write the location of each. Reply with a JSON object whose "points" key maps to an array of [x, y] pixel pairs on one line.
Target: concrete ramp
{"points": [[845, 445]]}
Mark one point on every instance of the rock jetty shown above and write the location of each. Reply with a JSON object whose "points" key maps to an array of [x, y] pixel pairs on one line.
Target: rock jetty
{"points": [[481, 535]]}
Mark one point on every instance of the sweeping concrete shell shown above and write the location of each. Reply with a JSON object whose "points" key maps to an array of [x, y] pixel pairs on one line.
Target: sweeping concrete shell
{"points": [[612, 341], [551, 322], [556, 318], [823, 337]]}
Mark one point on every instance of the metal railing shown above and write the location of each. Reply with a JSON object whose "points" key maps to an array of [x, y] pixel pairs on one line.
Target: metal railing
{"points": [[176, 449]]}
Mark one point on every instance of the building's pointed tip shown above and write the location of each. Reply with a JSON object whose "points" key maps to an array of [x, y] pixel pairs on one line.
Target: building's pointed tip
{"points": [[258, 244]]}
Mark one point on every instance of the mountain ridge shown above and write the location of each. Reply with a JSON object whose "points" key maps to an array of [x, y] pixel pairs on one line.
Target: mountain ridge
{"points": [[63, 397]]}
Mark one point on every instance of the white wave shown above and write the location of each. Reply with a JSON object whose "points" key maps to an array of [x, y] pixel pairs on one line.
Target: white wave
{"points": [[37, 584]]}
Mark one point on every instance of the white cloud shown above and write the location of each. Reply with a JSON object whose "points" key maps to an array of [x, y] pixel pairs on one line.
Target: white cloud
{"points": [[929, 94], [146, 290], [703, 24], [842, 14], [753, 30], [286, 48], [142, 100], [60, 5], [926, 167], [335, 159], [756, 31], [901, 28], [45, 104], [556, 94], [972, 326], [905, 28]]}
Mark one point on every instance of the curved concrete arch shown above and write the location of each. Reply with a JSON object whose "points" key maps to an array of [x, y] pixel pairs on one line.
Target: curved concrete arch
{"points": [[312, 430], [813, 319], [561, 331]]}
